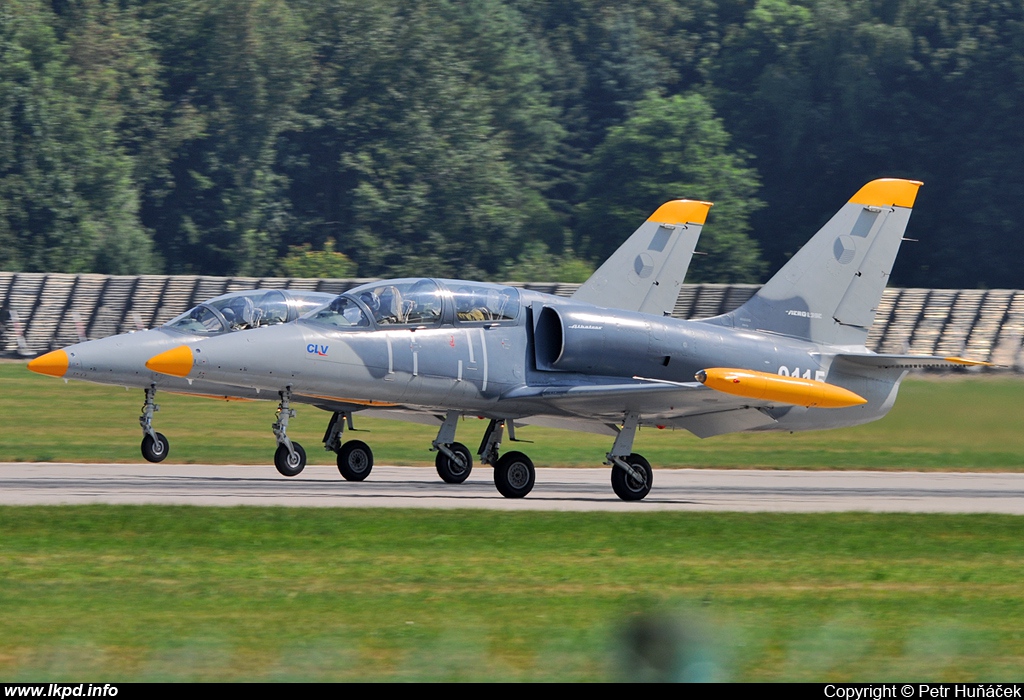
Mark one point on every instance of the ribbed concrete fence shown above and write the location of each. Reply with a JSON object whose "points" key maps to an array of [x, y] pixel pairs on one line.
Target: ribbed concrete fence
{"points": [[41, 311]]}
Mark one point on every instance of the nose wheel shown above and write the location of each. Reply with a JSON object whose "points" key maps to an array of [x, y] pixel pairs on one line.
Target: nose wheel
{"points": [[290, 463], [155, 447]]}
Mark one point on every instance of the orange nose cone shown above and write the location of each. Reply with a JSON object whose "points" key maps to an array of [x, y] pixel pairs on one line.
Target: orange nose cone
{"points": [[53, 363], [176, 362]]}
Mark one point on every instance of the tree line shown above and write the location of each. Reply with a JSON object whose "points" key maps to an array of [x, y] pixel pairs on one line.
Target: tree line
{"points": [[500, 139]]}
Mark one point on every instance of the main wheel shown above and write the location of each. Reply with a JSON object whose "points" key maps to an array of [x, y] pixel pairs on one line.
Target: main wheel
{"points": [[355, 460], [287, 463], [452, 471], [155, 450], [628, 488], [514, 475]]}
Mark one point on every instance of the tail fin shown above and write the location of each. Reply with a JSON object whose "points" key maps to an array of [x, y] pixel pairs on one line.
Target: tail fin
{"points": [[646, 272], [829, 291]]}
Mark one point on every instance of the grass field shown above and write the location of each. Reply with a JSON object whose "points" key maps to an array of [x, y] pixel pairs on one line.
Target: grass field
{"points": [[967, 422], [117, 593], [105, 593]]}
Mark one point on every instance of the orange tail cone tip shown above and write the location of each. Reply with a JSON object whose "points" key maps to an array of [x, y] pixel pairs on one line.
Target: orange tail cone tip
{"points": [[752, 384], [53, 363], [176, 362]]}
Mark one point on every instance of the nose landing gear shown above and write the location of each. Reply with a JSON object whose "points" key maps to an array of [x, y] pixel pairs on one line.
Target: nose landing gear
{"points": [[154, 445], [290, 458], [290, 463]]}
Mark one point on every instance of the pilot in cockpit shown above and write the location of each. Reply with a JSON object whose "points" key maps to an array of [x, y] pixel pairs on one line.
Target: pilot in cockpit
{"points": [[467, 307], [372, 302], [424, 305]]}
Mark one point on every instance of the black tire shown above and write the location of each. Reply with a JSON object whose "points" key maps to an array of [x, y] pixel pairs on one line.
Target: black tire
{"points": [[355, 460], [514, 475], [287, 463], [452, 472], [155, 450], [625, 486]]}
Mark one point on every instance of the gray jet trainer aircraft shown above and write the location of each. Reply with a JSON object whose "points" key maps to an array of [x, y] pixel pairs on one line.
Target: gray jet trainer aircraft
{"points": [[121, 359], [607, 360]]}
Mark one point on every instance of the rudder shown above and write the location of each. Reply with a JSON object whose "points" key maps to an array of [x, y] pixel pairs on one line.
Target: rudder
{"points": [[646, 271], [829, 291]]}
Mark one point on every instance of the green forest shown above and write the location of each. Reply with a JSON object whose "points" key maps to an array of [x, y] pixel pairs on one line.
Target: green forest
{"points": [[501, 139]]}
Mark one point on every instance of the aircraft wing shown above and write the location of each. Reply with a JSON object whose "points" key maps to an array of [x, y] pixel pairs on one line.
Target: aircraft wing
{"points": [[597, 408]]}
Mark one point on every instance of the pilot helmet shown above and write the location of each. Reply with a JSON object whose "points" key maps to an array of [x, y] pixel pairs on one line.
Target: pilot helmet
{"points": [[371, 300]]}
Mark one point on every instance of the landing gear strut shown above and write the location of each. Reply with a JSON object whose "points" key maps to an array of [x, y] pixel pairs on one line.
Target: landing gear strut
{"points": [[154, 445], [632, 475], [453, 461], [491, 442], [355, 458], [290, 458]]}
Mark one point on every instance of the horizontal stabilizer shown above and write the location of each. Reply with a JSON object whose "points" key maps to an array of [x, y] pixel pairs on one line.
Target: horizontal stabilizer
{"points": [[908, 361], [647, 271]]}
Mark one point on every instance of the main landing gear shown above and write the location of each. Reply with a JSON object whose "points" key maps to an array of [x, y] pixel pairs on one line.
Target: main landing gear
{"points": [[453, 461], [355, 458], [154, 445], [514, 474], [632, 475]]}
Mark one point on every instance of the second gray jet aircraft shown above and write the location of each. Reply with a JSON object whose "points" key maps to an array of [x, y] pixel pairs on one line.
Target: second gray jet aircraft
{"points": [[607, 360]]}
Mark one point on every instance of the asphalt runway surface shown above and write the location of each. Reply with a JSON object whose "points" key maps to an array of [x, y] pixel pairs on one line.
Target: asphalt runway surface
{"points": [[556, 489]]}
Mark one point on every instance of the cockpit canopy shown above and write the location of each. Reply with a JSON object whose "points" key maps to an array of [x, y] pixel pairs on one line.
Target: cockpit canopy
{"points": [[420, 302], [249, 309]]}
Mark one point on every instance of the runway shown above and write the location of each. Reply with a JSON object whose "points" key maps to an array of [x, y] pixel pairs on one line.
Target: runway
{"points": [[556, 489]]}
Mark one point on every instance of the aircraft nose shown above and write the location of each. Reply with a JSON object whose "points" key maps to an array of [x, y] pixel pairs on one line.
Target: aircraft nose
{"points": [[53, 363], [176, 362]]}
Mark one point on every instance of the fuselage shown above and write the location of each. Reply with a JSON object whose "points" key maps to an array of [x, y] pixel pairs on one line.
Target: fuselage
{"points": [[454, 345], [121, 359]]}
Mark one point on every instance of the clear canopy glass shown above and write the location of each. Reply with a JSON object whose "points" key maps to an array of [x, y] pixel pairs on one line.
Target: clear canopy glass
{"points": [[420, 302], [249, 309]]}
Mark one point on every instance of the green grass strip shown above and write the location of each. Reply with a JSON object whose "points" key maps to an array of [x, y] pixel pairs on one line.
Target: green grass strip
{"points": [[117, 593]]}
